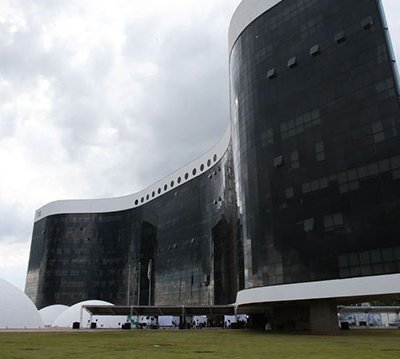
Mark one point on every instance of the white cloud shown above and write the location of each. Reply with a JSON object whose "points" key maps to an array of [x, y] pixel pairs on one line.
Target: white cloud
{"points": [[98, 99], [14, 261]]}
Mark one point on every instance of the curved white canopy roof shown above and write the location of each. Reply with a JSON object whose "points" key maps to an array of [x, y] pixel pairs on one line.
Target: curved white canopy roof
{"points": [[51, 313], [16, 310], [73, 314]]}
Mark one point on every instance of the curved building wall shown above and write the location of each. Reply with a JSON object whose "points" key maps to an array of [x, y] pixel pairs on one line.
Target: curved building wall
{"points": [[305, 187], [315, 124], [188, 234]]}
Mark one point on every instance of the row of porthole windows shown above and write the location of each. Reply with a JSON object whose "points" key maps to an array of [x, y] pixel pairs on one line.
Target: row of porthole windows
{"points": [[178, 181]]}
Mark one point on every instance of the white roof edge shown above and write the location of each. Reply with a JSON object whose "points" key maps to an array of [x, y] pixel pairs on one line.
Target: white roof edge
{"points": [[329, 289], [115, 204], [245, 14]]}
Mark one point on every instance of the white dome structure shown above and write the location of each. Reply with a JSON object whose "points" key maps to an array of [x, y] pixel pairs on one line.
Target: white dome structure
{"points": [[51, 313], [16, 310], [74, 313]]}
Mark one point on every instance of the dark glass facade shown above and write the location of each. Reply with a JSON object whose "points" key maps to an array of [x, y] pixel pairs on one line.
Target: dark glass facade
{"points": [[308, 189], [316, 119], [188, 235]]}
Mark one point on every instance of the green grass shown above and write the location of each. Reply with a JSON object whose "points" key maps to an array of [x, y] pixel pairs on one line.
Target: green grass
{"points": [[219, 344]]}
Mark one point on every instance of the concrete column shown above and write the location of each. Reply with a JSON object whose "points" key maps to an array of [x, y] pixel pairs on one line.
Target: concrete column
{"points": [[323, 317]]}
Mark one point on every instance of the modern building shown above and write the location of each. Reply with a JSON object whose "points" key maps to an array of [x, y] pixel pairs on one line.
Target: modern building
{"points": [[299, 204], [173, 243], [315, 125]]}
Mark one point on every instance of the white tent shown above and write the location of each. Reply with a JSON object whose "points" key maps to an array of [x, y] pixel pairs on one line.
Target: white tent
{"points": [[51, 313], [16, 310], [77, 314]]}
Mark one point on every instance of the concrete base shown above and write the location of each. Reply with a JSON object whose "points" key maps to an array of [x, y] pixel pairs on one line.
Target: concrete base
{"points": [[316, 317], [323, 317]]}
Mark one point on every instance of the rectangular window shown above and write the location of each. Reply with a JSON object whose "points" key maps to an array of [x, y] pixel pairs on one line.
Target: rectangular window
{"points": [[377, 131], [319, 150], [294, 160], [271, 73], [308, 224], [300, 124], [315, 50], [332, 221], [306, 187], [278, 161], [267, 137], [289, 192]]}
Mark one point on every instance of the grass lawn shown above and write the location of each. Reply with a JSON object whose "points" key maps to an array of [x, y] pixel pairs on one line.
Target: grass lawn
{"points": [[188, 344]]}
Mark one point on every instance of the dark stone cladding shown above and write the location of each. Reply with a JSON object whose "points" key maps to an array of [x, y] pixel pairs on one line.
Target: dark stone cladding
{"points": [[315, 130], [189, 234]]}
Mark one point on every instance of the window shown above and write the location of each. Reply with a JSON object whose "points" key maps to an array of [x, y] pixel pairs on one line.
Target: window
{"points": [[289, 192], [278, 161], [294, 160], [315, 50], [292, 62], [298, 125], [367, 23], [267, 137], [377, 131], [194, 171], [172, 184], [271, 73], [333, 221], [396, 174], [319, 150], [309, 224], [340, 37], [202, 167], [186, 176]]}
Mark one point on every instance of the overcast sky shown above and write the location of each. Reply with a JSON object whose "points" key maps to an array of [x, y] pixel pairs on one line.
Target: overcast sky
{"points": [[102, 98]]}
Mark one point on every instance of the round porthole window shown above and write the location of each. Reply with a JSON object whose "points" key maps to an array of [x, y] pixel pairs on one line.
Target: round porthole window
{"points": [[165, 187], [159, 191], [179, 180], [186, 176], [142, 200], [202, 167], [172, 183], [153, 194], [147, 197], [208, 163], [215, 158], [194, 171], [136, 202]]}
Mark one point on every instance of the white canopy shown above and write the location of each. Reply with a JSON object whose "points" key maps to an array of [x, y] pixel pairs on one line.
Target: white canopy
{"points": [[16, 310]]}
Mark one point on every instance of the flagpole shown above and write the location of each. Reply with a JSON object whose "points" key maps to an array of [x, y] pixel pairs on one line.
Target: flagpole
{"points": [[129, 285], [149, 272], [138, 280]]}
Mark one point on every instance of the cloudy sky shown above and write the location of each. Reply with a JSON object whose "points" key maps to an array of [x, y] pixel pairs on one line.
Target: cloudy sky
{"points": [[101, 98]]}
